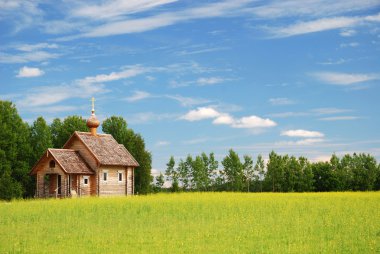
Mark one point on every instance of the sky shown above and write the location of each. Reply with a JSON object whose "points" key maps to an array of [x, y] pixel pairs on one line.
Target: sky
{"points": [[297, 77]]}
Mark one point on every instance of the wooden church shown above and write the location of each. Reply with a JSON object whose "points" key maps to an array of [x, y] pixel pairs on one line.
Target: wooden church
{"points": [[89, 164]]}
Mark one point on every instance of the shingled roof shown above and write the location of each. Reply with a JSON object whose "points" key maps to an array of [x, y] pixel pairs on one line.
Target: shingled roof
{"points": [[70, 161], [106, 149]]}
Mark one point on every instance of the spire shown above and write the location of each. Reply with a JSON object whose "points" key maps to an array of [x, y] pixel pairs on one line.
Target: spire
{"points": [[93, 105], [92, 121]]}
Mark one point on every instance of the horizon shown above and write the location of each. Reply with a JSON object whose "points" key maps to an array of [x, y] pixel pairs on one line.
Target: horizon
{"points": [[297, 77]]}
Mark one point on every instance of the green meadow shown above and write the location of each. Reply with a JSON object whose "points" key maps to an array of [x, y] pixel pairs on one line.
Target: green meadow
{"points": [[195, 223]]}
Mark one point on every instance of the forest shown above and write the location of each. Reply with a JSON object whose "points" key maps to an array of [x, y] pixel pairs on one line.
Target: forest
{"points": [[282, 173], [22, 144]]}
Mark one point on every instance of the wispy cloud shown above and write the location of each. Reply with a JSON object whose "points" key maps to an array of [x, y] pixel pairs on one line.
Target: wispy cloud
{"points": [[329, 111], [347, 32], [162, 143], [350, 44], [220, 118], [302, 133], [281, 101], [313, 8], [210, 81], [138, 95], [29, 72], [187, 101], [338, 78], [339, 118], [148, 117], [319, 25], [115, 9], [25, 57]]}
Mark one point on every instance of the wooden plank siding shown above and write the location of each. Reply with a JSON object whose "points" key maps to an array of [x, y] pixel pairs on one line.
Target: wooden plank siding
{"points": [[112, 186]]}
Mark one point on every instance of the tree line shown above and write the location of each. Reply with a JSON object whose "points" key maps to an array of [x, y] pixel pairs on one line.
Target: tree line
{"points": [[21, 146], [282, 173]]}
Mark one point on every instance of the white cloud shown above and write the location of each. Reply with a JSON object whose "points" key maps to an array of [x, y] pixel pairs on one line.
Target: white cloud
{"points": [[200, 114], [302, 142], [339, 118], [209, 81], [127, 72], [291, 8], [329, 111], [187, 101], [338, 78], [302, 134], [28, 72], [114, 9], [224, 119], [252, 122], [162, 143], [125, 26], [37, 56], [347, 32], [248, 122], [319, 25], [138, 95], [148, 117], [289, 114], [280, 101], [350, 44], [34, 47]]}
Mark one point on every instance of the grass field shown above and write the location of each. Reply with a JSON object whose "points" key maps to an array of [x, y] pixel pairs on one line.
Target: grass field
{"points": [[195, 223]]}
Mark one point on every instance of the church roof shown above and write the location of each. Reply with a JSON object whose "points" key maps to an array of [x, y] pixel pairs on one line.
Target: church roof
{"points": [[70, 161], [106, 149]]}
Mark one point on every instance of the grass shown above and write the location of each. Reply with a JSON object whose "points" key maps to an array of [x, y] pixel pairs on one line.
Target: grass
{"points": [[195, 223]]}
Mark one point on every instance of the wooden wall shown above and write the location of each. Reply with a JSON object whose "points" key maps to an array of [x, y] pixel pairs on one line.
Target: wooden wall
{"points": [[112, 187]]}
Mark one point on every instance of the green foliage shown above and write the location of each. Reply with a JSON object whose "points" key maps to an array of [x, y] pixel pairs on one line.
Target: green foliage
{"points": [[195, 223], [117, 127], [15, 151], [260, 171], [62, 131], [9, 188], [233, 170], [40, 138]]}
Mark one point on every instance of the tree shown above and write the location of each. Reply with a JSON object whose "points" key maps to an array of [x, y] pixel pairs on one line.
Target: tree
{"points": [[117, 127], [212, 170], [324, 177], [15, 153], [275, 172], [9, 188], [172, 175], [61, 132], [306, 182], [160, 180], [233, 170], [248, 170], [40, 138], [260, 170], [184, 171]]}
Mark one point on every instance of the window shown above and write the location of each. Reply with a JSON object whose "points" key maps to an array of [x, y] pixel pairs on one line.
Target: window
{"points": [[120, 175], [105, 175], [52, 164], [85, 180]]}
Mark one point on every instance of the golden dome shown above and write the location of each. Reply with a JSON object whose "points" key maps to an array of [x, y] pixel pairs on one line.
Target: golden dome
{"points": [[93, 122]]}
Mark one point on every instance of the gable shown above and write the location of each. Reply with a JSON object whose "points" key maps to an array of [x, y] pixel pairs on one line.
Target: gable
{"points": [[67, 160], [106, 150]]}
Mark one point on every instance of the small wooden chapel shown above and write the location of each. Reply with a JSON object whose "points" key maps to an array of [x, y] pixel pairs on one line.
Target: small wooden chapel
{"points": [[89, 164]]}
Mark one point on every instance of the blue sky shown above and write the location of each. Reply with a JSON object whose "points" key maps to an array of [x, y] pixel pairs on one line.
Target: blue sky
{"points": [[296, 77]]}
